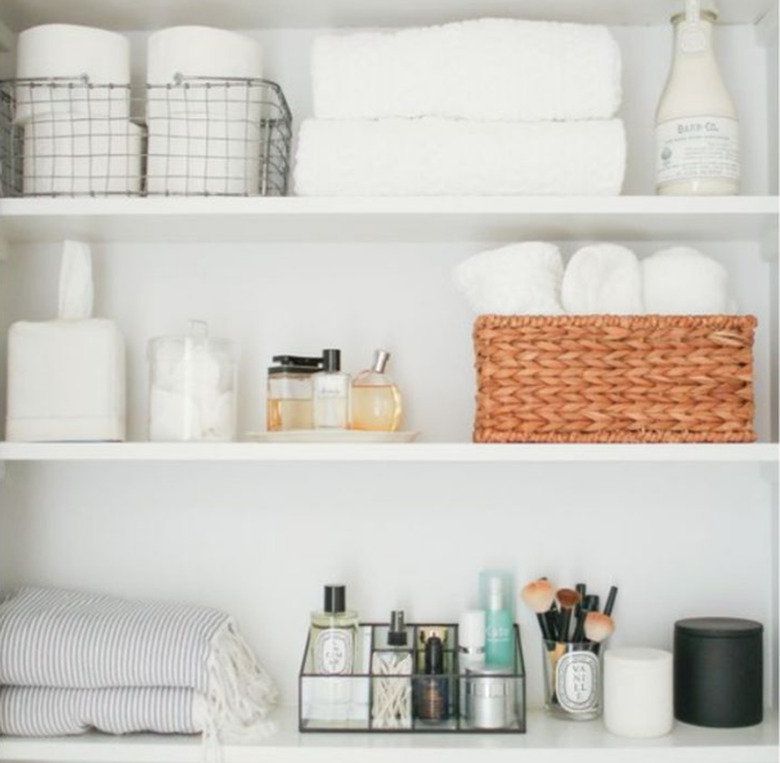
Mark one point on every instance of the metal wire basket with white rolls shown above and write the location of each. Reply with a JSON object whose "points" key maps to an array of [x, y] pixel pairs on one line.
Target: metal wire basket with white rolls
{"points": [[194, 137]]}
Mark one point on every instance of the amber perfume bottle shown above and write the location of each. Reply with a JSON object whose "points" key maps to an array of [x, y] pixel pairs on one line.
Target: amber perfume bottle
{"points": [[376, 401]]}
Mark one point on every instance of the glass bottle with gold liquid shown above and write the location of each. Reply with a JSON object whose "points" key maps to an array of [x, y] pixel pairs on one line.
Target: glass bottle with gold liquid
{"points": [[376, 400]]}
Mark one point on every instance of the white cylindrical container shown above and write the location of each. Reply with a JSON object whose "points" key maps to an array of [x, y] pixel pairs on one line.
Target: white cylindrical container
{"points": [[192, 387], [697, 128], [82, 157], [59, 56], [638, 692], [202, 69]]}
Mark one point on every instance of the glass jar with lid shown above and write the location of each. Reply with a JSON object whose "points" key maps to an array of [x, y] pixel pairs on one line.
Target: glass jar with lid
{"points": [[192, 387]]}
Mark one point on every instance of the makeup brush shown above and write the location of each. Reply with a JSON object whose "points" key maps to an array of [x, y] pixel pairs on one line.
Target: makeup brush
{"points": [[608, 607], [598, 626], [553, 617], [582, 590], [539, 596], [567, 599], [591, 604]]}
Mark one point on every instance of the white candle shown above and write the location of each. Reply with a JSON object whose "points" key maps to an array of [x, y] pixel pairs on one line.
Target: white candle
{"points": [[638, 692]]}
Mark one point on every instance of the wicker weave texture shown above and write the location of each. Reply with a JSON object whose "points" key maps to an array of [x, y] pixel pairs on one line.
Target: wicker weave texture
{"points": [[614, 378]]}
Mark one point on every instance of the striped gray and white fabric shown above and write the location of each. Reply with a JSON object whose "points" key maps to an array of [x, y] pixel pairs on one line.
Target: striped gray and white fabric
{"points": [[74, 640], [38, 711]]}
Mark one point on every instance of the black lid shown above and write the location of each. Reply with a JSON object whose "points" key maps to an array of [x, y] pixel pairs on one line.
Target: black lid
{"points": [[331, 360], [396, 636], [434, 656], [335, 599], [295, 364], [718, 627]]}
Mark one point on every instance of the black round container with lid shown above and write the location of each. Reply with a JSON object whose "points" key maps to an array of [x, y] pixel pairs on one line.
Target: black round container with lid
{"points": [[718, 672]]}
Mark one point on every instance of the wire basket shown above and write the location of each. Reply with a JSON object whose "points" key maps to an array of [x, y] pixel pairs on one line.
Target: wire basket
{"points": [[193, 137]]}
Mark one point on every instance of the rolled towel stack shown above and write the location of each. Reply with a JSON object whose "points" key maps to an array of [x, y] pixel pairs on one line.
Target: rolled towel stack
{"points": [[204, 131], [604, 279], [600, 279], [78, 138], [482, 107], [73, 661]]}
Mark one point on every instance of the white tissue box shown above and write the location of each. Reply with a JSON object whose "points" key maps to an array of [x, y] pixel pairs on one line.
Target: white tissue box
{"points": [[66, 381]]}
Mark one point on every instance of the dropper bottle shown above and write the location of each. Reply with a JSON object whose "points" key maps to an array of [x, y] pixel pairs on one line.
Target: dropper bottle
{"points": [[376, 401], [697, 127]]}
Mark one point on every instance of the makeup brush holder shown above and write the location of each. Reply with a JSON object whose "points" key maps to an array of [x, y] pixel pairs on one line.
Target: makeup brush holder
{"points": [[388, 690], [572, 680]]}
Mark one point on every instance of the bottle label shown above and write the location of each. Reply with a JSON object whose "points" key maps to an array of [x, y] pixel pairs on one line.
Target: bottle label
{"points": [[697, 148], [331, 386], [577, 682], [333, 652]]}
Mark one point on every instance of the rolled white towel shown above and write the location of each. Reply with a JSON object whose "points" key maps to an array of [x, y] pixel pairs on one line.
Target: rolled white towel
{"points": [[684, 281], [603, 279], [444, 157], [479, 69], [518, 279]]}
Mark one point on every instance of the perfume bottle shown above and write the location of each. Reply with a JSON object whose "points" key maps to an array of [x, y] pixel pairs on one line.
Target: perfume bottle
{"points": [[433, 688], [376, 401], [697, 127], [391, 666], [334, 634], [330, 393], [289, 398], [496, 597]]}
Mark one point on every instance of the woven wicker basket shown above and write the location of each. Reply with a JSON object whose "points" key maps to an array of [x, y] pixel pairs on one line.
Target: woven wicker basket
{"points": [[614, 378]]}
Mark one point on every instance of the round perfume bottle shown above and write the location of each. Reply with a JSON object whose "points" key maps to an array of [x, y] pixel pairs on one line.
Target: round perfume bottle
{"points": [[376, 401]]}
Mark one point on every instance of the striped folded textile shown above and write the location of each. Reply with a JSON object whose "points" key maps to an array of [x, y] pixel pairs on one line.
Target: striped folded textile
{"points": [[62, 650], [44, 711]]}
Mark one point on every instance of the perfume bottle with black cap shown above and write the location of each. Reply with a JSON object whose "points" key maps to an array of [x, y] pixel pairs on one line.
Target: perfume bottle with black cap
{"points": [[334, 634], [330, 388]]}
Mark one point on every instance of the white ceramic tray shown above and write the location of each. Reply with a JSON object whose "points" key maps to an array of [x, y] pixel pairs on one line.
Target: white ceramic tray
{"points": [[336, 435]]}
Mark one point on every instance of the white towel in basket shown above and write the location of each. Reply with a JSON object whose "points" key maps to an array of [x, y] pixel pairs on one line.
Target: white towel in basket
{"points": [[603, 279], [443, 157], [517, 279], [480, 69], [55, 638]]}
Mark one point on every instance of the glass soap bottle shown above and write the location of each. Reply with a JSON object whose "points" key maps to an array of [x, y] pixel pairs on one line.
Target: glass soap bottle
{"points": [[330, 393], [391, 668], [696, 126], [289, 396], [376, 401]]}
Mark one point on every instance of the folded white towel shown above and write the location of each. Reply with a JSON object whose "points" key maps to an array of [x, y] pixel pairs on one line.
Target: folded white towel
{"points": [[479, 69], [603, 279], [442, 157], [518, 279], [683, 281]]}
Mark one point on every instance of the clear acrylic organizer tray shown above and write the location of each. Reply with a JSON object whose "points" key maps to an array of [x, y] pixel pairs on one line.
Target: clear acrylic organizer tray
{"points": [[375, 700]]}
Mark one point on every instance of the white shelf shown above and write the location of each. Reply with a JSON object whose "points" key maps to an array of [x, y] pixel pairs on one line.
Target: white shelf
{"points": [[168, 219], [413, 452], [547, 741], [151, 14]]}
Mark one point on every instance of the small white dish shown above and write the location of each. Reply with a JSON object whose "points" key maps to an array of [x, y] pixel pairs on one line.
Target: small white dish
{"points": [[333, 436]]}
